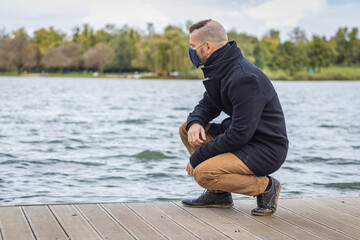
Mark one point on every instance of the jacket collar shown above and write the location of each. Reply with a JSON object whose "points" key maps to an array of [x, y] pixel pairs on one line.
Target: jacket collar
{"points": [[215, 55], [216, 68], [219, 59]]}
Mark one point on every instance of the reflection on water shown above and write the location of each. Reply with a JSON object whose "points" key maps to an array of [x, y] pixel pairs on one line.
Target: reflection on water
{"points": [[99, 140]]}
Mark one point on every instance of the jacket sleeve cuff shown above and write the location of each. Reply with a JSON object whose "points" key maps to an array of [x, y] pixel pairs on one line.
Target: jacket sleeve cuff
{"points": [[188, 124]]}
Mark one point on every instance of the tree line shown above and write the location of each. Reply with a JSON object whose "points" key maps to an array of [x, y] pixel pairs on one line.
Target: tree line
{"points": [[127, 49]]}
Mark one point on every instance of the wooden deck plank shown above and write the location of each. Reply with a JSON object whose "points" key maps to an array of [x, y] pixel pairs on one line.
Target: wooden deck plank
{"points": [[160, 221], [332, 213], [74, 224], [308, 224], [14, 225], [220, 221], [132, 222], [104, 224], [249, 223], [320, 218], [339, 205], [43, 223], [275, 222], [353, 201], [197, 227]]}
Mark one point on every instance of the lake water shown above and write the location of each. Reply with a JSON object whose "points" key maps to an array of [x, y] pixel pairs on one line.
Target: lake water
{"points": [[103, 140]]}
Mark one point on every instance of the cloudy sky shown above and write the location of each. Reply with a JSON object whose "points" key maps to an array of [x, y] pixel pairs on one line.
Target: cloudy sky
{"points": [[254, 17]]}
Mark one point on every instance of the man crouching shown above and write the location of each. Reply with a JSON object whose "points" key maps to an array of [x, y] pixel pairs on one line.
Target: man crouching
{"points": [[239, 154]]}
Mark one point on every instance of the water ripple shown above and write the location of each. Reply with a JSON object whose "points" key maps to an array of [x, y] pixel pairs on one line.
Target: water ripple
{"points": [[133, 121], [51, 162], [150, 155], [7, 155], [341, 185]]}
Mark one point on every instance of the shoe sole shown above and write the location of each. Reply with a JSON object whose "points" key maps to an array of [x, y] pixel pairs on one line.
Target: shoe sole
{"points": [[269, 213], [209, 206]]}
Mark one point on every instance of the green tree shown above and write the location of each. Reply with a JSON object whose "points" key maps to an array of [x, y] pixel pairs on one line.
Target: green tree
{"points": [[273, 34], [354, 46], [319, 52], [76, 35], [291, 58], [260, 55], [124, 47], [44, 38], [270, 42], [85, 37], [341, 45], [144, 58], [347, 45], [298, 36], [105, 34], [173, 49], [165, 52], [102, 36]]}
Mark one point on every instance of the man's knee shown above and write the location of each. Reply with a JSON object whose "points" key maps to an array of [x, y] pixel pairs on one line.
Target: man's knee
{"points": [[204, 176], [182, 130]]}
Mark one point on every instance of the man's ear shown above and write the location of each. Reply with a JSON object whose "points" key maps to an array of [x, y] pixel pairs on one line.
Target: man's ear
{"points": [[209, 47]]}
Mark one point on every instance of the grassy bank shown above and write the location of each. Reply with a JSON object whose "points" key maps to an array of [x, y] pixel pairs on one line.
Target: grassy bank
{"points": [[330, 73]]}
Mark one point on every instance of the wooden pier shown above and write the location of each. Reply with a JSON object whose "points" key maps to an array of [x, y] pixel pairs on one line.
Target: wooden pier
{"points": [[296, 218]]}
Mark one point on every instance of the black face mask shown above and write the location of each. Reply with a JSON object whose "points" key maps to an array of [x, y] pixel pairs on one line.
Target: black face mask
{"points": [[194, 57]]}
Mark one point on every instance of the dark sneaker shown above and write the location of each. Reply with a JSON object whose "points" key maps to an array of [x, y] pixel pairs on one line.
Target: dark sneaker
{"points": [[210, 199], [267, 202]]}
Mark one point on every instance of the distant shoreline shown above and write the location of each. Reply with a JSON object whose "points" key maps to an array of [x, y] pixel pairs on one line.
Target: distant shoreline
{"points": [[338, 73], [113, 76]]}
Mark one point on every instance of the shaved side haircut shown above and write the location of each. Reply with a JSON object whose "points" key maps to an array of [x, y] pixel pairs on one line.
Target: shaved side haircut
{"points": [[210, 30]]}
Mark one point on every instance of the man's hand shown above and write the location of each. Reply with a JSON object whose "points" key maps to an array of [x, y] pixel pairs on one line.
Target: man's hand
{"points": [[196, 135], [190, 169]]}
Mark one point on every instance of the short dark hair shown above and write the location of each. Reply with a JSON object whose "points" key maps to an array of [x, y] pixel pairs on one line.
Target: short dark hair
{"points": [[199, 25]]}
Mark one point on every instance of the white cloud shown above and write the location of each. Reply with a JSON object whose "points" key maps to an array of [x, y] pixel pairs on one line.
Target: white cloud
{"points": [[120, 12], [284, 13], [233, 14], [334, 16], [65, 14], [36, 14], [39, 8], [251, 16]]}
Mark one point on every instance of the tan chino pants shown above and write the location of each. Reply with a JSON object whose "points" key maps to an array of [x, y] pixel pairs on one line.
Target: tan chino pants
{"points": [[224, 172]]}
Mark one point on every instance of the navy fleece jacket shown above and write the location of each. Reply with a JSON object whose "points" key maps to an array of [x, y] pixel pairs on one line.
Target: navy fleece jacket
{"points": [[255, 130]]}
